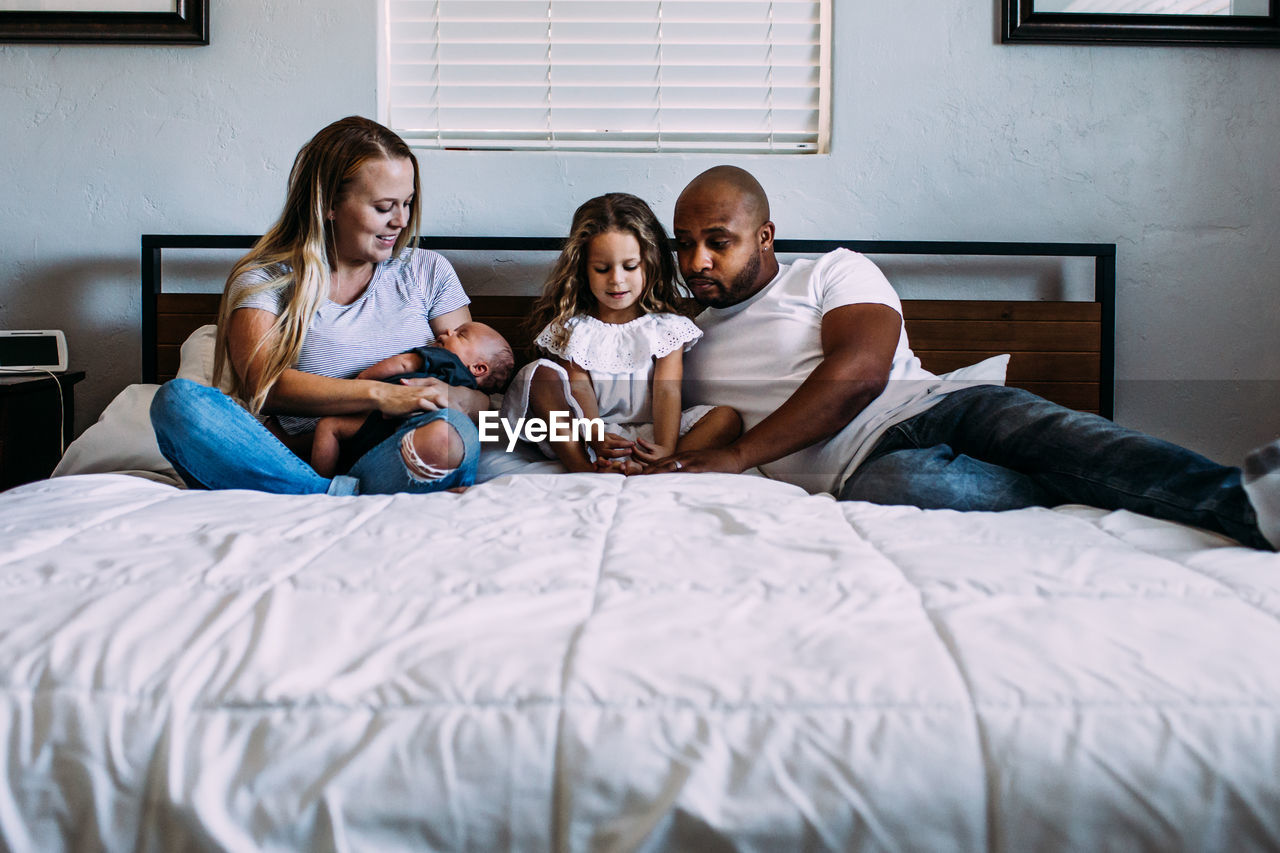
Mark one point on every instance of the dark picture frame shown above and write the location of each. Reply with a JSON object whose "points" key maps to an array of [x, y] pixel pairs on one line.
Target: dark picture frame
{"points": [[1022, 24], [188, 24]]}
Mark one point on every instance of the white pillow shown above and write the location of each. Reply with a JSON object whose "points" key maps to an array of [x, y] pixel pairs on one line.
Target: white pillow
{"points": [[122, 441], [989, 371], [196, 359]]}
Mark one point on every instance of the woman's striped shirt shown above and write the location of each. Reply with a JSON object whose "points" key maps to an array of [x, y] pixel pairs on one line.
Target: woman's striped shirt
{"points": [[393, 315]]}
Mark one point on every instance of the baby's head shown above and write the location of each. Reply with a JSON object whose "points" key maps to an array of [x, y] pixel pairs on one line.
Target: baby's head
{"points": [[485, 353]]}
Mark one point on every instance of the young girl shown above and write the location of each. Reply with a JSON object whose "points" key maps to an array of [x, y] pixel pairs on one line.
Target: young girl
{"points": [[614, 345]]}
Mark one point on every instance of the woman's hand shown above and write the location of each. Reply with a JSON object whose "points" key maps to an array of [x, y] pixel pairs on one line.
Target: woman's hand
{"points": [[441, 395], [411, 396]]}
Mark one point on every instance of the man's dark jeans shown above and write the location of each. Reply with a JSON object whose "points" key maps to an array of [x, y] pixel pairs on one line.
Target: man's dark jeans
{"points": [[994, 448]]}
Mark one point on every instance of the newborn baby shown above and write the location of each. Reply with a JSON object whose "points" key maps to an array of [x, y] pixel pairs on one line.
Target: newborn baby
{"points": [[472, 355]]}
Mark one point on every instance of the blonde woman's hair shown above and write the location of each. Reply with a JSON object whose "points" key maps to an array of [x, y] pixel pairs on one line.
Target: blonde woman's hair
{"points": [[297, 255], [567, 291]]}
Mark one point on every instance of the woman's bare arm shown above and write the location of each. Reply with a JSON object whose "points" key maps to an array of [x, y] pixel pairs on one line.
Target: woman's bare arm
{"points": [[301, 393], [451, 320]]}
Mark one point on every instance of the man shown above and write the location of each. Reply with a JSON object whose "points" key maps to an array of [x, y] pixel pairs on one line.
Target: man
{"points": [[815, 358]]}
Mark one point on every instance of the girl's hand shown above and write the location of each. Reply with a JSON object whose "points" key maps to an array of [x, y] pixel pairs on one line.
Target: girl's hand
{"points": [[625, 467], [612, 447], [648, 452]]}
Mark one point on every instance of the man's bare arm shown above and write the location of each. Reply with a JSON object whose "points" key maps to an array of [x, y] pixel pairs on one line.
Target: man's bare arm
{"points": [[858, 343]]}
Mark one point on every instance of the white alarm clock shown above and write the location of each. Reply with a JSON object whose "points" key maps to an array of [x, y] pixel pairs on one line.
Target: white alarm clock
{"points": [[35, 350]]}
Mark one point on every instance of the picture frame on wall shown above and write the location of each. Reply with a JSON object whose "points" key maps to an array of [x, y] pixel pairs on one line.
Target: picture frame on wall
{"points": [[105, 21], [1242, 23]]}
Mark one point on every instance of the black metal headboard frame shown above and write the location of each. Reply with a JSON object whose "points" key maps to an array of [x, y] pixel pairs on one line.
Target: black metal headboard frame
{"points": [[1103, 254]]}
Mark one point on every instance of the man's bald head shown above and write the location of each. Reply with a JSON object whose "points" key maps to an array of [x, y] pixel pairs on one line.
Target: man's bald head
{"points": [[724, 239], [728, 182]]}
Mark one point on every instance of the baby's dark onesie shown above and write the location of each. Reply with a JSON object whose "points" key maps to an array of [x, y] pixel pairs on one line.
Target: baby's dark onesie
{"points": [[438, 363]]}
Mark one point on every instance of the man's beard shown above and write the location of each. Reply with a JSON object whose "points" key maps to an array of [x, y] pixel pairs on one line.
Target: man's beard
{"points": [[742, 286]]}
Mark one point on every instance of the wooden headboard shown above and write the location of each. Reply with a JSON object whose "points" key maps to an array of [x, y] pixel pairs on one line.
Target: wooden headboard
{"points": [[1063, 351]]}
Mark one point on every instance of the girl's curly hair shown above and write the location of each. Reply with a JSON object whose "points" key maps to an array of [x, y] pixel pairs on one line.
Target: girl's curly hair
{"points": [[567, 293]]}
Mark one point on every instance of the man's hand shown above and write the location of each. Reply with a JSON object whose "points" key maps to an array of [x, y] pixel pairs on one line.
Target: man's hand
{"points": [[722, 461]]}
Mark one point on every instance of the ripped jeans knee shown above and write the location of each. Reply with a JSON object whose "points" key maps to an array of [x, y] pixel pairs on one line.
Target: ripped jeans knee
{"points": [[431, 451]]}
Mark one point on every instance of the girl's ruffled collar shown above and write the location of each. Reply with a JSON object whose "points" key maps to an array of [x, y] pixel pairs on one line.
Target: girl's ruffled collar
{"points": [[618, 347]]}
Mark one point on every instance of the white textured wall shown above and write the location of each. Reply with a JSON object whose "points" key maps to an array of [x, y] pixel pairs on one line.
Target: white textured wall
{"points": [[940, 133]]}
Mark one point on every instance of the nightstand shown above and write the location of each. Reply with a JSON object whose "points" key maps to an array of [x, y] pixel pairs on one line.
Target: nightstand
{"points": [[29, 424]]}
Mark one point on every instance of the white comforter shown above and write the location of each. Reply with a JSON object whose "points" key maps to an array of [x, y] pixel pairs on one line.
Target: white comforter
{"points": [[585, 662]]}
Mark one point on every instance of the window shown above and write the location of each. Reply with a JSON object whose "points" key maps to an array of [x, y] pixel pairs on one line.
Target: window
{"points": [[609, 75]]}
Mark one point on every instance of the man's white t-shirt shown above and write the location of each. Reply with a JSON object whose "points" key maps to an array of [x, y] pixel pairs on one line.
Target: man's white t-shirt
{"points": [[754, 355]]}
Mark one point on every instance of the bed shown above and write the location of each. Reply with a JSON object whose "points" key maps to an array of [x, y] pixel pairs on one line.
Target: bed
{"points": [[591, 662]]}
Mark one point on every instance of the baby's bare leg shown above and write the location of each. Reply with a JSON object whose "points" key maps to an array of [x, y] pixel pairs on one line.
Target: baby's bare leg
{"points": [[717, 428], [326, 446]]}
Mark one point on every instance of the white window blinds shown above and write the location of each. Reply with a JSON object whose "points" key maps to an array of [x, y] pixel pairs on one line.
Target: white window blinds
{"points": [[609, 75]]}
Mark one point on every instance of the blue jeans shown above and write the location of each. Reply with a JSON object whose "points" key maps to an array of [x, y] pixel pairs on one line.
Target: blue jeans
{"points": [[993, 448], [214, 443]]}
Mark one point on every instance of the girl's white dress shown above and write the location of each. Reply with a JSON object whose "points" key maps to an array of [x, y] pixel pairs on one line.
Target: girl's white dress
{"points": [[620, 357]]}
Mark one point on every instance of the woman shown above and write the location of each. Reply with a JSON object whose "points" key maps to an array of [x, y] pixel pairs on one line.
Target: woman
{"points": [[333, 287]]}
